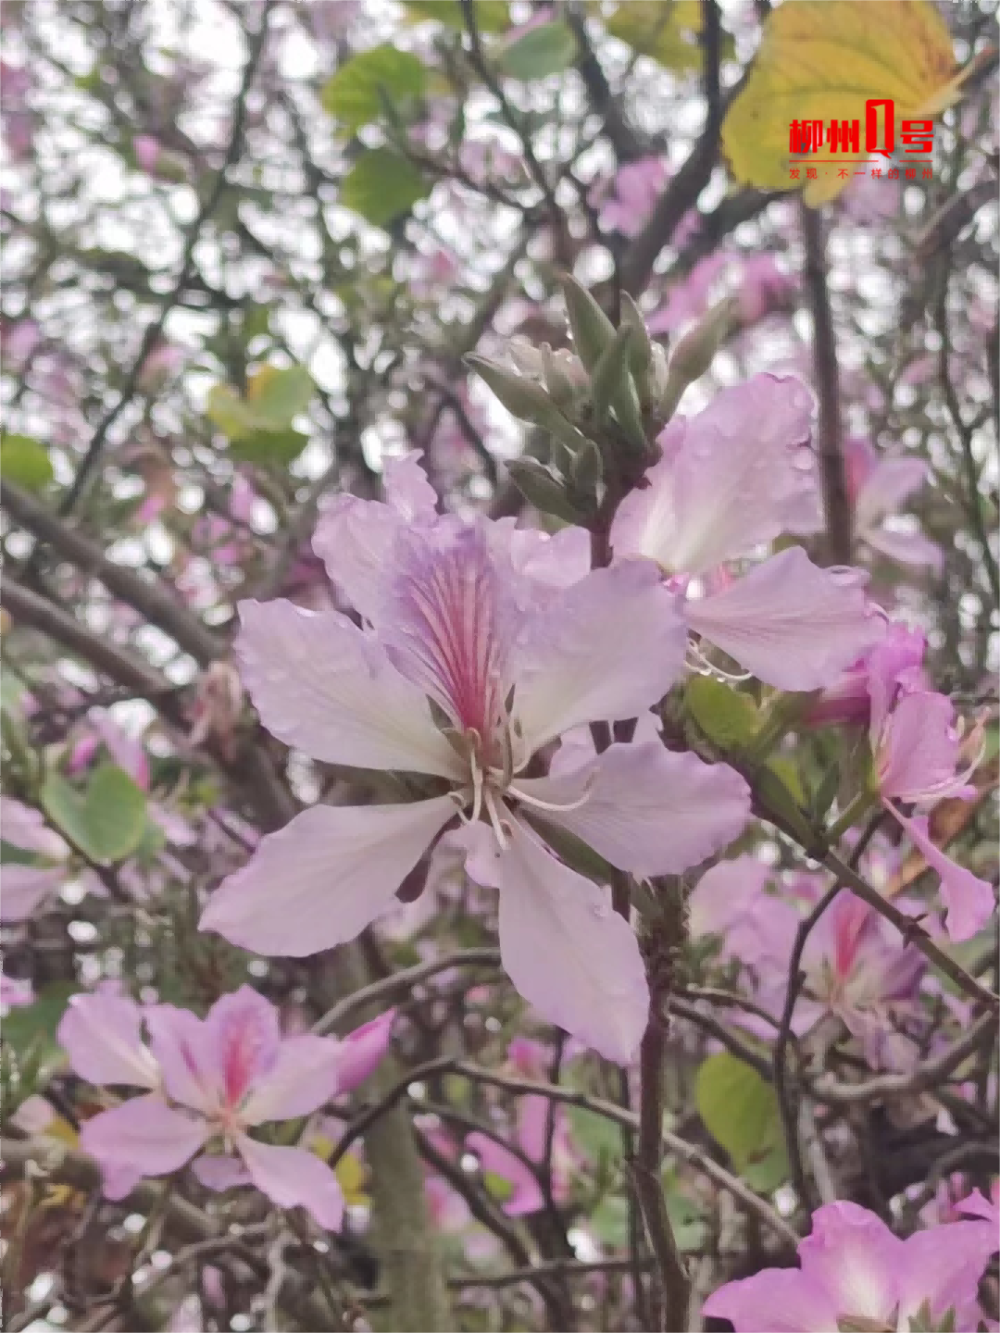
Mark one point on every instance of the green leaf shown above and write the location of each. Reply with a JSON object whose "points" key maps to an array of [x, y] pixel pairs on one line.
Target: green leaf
{"points": [[382, 185], [541, 51], [491, 15], [741, 1113], [25, 462], [726, 717], [39, 1020], [107, 822], [263, 447], [354, 94], [595, 1134], [259, 426]]}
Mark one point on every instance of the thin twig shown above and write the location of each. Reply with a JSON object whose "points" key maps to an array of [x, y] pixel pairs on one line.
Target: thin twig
{"points": [[833, 473]]}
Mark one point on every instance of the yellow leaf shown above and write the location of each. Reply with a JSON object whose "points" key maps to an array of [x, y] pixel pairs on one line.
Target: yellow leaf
{"points": [[822, 60], [351, 1174], [665, 31]]}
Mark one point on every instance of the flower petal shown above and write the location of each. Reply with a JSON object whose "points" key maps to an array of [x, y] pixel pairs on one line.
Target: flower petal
{"points": [[887, 485], [219, 1171], [969, 901], [295, 1178], [854, 1256], [526, 1195], [608, 648], [362, 1051], [737, 475], [326, 687], [779, 1299], [302, 1078], [354, 538], [143, 1137], [567, 952], [918, 749], [102, 1035], [791, 623], [25, 888], [24, 827], [649, 810], [943, 1265], [324, 877], [187, 1056], [245, 1033], [906, 548]]}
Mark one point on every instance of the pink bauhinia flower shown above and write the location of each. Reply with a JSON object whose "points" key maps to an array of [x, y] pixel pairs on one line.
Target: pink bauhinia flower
{"points": [[916, 746], [878, 486], [210, 1082], [855, 1273], [731, 480], [475, 660]]}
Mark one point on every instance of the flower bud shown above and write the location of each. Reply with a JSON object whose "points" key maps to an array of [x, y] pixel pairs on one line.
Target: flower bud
{"points": [[591, 328], [542, 488]]}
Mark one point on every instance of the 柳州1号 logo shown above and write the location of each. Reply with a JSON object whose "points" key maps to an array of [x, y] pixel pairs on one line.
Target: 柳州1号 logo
{"points": [[846, 147]]}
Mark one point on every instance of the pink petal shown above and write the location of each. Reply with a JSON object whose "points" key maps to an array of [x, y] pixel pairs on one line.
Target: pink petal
{"points": [[15, 992], [302, 1079], [452, 619], [527, 1196], [24, 827], [102, 1035], [25, 889], [918, 749], [555, 559], [969, 901], [725, 892], [220, 1172], [245, 1034], [890, 482], [143, 1137], [737, 475], [188, 1057], [567, 952], [324, 686], [324, 877], [294, 1178], [649, 811], [906, 548], [791, 623], [781, 1300], [355, 538], [608, 648], [976, 1204], [362, 1051], [853, 1255], [943, 1265], [407, 489]]}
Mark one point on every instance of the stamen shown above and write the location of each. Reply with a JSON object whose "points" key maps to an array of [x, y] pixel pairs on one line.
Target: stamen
{"points": [[698, 662], [497, 824], [477, 786], [539, 804]]}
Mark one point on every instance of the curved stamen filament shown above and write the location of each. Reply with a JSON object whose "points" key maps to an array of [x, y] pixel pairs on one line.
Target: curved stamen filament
{"points": [[698, 662], [496, 822], [539, 804]]}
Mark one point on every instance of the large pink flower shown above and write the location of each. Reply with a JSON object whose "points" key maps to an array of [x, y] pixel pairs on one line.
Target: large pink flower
{"points": [[854, 1269], [210, 1082], [732, 480], [483, 646]]}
